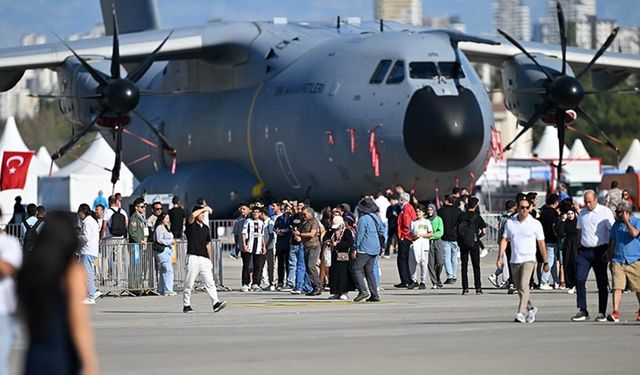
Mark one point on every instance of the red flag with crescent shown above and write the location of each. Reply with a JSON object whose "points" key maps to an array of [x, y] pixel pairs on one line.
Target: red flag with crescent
{"points": [[15, 165]]}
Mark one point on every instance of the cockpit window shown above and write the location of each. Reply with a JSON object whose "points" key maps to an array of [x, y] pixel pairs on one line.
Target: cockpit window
{"points": [[423, 70], [397, 73], [429, 70], [380, 72], [451, 69]]}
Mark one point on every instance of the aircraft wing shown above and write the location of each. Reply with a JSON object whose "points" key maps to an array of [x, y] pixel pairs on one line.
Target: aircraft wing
{"points": [[609, 70], [217, 42]]}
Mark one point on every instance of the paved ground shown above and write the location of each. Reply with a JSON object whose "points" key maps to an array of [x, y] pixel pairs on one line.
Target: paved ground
{"points": [[409, 332]]}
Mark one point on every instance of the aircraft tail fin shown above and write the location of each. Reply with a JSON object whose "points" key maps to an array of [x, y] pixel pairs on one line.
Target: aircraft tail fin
{"points": [[133, 16]]}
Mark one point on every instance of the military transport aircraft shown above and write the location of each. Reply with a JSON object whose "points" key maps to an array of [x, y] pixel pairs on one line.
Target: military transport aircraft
{"points": [[230, 111]]}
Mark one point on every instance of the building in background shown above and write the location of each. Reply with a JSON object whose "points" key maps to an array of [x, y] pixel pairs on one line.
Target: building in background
{"points": [[513, 17], [447, 22], [407, 11]]}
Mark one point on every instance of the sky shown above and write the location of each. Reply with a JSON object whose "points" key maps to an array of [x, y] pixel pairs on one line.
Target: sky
{"points": [[65, 17]]}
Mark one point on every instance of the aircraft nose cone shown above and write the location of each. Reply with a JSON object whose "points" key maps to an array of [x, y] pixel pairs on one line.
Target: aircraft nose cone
{"points": [[443, 133]]}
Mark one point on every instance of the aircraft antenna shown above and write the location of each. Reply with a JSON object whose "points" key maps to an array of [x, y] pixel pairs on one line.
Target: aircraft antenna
{"points": [[381, 25], [338, 23]]}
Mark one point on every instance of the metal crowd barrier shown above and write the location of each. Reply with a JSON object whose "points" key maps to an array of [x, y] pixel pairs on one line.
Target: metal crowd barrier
{"points": [[223, 230], [130, 269], [491, 238]]}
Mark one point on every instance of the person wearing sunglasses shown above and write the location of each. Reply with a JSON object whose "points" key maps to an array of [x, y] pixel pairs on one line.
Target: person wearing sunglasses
{"points": [[523, 232]]}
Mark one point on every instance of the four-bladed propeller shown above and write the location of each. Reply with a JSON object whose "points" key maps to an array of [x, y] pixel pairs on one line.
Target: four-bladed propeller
{"points": [[118, 97], [561, 92]]}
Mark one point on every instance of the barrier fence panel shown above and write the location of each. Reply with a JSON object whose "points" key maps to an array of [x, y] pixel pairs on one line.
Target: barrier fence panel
{"points": [[493, 222], [130, 269], [223, 230]]}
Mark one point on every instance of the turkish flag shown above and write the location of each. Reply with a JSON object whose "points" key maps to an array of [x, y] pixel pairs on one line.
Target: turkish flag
{"points": [[15, 165]]}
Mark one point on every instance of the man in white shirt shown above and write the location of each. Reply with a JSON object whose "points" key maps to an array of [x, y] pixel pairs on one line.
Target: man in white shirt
{"points": [[523, 232], [10, 262], [594, 223], [90, 239], [421, 232]]}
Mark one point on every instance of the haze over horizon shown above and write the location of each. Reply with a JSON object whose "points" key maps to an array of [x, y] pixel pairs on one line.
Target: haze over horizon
{"points": [[66, 17]]}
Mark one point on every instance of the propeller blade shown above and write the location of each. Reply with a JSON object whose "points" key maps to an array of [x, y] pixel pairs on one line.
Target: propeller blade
{"points": [[560, 117], [536, 91], [158, 133], [521, 48], [167, 93], [53, 96], [63, 150], [94, 73], [604, 47], [528, 125], [634, 90], [563, 37], [142, 68], [115, 172], [593, 124], [115, 55]]}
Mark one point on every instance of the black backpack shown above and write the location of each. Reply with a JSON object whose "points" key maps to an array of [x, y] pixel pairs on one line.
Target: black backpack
{"points": [[466, 232], [30, 236], [118, 227]]}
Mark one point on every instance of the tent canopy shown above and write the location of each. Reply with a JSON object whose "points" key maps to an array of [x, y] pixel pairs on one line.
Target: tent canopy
{"points": [[548, 147], [632, 157]]}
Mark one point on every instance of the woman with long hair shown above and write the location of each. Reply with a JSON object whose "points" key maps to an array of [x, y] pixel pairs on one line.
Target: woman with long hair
{"points": [[51, 288], [162, 241]]}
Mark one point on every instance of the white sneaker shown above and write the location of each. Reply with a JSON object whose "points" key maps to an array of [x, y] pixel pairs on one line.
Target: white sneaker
{"points": [[572, 290], [520, 318], [256, 288], [170, 294], [245, 288], [531, 315], [97, 294], [89, 301], [484, 253], [546, 287], [493, 279], [344, 297], [271, 288]]}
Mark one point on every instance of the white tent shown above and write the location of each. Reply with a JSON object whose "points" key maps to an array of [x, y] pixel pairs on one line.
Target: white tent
{"points": [[548, 147], [578, 151], [12, 141], [632, 157], [80, 181]]}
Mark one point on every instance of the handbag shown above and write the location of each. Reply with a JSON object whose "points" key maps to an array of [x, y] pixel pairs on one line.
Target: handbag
{"points": [[342, 256]]}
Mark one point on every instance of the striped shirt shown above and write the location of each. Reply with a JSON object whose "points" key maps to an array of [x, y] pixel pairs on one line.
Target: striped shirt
{"points": [[253, 232]]}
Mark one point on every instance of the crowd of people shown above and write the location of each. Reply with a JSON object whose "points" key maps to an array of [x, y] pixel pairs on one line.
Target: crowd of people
{"points": [[286, 246]]}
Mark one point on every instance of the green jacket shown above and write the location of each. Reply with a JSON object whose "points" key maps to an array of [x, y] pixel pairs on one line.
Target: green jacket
{"points": [[437, 226], [136, 228]]}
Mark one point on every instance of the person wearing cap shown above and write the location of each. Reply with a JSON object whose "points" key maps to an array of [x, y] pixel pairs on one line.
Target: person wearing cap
{"points": [[624, 252], [341, 242], [368, 233]]}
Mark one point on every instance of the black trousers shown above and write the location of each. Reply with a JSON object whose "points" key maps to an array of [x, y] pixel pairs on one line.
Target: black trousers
{"points": [[474, 252], [404, 249], [392, 238], [282, 256], [258, 263]]}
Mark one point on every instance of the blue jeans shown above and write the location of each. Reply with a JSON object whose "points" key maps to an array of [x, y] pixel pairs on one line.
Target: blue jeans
{"points": [[7, 331], [587, 258], [165, 271], [376, 270], [450, 249], [551, 258], [87, 261], [297, 271]]}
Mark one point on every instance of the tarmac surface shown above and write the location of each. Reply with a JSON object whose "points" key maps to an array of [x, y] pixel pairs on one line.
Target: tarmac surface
{"points": [[410, 331]]}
